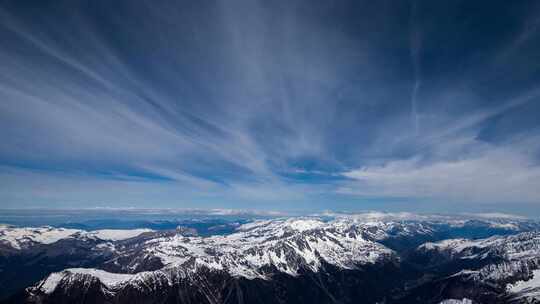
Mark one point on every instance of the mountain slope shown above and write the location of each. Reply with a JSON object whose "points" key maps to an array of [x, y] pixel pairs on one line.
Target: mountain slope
{"points": [[295, 260], [493, 270]]}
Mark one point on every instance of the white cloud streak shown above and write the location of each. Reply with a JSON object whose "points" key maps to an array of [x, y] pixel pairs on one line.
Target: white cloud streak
{"points": [[490, 175]]}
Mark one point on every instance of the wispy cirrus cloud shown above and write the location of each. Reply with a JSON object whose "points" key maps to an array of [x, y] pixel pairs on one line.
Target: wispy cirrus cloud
{"points": [[219, 104]]}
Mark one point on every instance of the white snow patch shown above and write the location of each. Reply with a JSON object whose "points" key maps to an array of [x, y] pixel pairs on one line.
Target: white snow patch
{"points": [[509, 226], [49, 285], [531, 285], [454, 301], [22, 237], [109, 279], [303, 225], [116, 234]]}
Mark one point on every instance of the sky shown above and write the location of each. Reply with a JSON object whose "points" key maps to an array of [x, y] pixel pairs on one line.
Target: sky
{"points": [[272, 105]]}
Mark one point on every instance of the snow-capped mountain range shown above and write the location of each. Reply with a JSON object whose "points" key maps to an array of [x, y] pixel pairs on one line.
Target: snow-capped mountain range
{"points": [[22, 238], [346, 251]]}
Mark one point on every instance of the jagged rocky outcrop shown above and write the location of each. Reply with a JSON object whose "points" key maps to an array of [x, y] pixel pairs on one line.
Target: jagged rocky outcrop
{"points": [[492, 270]]}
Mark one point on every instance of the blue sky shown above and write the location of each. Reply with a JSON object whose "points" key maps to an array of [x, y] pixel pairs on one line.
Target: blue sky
{"points": [[282, 105]]}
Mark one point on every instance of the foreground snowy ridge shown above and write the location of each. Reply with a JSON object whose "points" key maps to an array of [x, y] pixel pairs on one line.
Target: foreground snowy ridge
{"points": [[256, 250]]}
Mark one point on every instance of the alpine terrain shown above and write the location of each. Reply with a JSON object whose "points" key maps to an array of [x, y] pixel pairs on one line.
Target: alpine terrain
{"points": [[364, 258]]}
